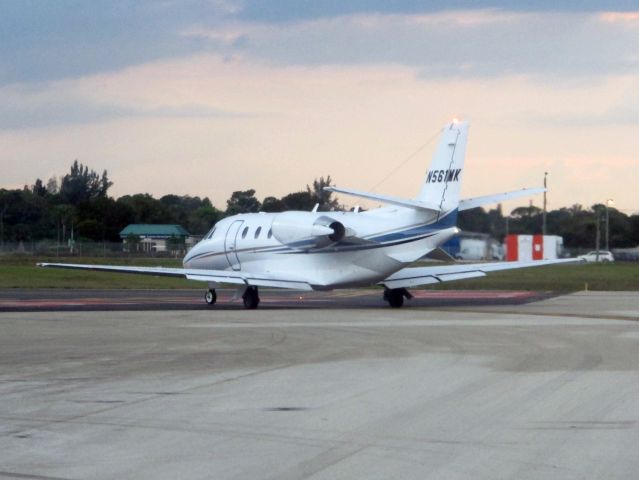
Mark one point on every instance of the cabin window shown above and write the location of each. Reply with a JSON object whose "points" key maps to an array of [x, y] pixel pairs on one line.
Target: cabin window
{"points": [[270, 233], [245, 232], [257, 232]]}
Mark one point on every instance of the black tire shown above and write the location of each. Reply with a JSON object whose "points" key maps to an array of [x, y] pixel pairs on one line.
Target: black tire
{"points": [[251, 298], [395, 298], [210, 297]]}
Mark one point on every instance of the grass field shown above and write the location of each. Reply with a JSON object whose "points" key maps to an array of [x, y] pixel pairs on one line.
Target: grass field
{"points": [[20, 272], [620, 276]]}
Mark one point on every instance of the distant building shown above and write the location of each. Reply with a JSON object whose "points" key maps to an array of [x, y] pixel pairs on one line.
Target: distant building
{"points": [[143, 237], [473, 246], [533, 247]]}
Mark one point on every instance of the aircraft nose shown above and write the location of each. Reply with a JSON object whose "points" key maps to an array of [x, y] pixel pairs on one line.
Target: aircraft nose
{"points": [[188, 258]]}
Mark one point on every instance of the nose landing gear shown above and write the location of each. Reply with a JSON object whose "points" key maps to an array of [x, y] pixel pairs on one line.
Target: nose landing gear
{"points": [[210, 297]]}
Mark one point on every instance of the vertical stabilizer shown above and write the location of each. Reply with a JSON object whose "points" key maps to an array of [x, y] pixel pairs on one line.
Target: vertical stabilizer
{"points": [[443, 179]]}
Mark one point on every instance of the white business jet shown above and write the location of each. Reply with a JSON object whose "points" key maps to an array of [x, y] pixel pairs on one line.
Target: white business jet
{"points": [[328, 250]]}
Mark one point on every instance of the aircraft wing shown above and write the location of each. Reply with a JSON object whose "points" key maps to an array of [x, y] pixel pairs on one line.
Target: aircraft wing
{"points": [[215, 276], [414, 276]]}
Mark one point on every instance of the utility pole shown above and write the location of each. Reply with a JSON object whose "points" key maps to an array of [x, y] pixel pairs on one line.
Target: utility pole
{"points": [[608, 203], [4, 209], [543, 221], [598, 235]]}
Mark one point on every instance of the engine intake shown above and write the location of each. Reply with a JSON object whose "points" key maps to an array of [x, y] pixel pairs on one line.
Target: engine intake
{"points": [[339, 231]]}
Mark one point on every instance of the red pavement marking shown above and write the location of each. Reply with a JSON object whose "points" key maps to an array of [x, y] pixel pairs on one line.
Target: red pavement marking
{"points": [[315, 297], [470, 294]]}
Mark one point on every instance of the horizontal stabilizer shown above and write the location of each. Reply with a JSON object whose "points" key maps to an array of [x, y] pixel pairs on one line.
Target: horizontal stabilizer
{"points": [[411, 277], [469, 203], [212, 276], [391, 200]]}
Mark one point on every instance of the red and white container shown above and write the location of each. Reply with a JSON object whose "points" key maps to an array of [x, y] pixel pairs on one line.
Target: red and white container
{"points": [[522, 248]]}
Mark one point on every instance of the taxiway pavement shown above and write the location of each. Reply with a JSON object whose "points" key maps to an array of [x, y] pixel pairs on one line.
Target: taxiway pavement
{"points": [[544, 389], [30, 300]]}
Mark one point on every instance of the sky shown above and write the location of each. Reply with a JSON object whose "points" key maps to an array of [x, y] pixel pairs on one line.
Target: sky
{"points": [[205, 97]]}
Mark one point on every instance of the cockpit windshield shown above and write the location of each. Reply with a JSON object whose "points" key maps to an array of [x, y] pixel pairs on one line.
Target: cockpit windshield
{"points": [[210, 234]]}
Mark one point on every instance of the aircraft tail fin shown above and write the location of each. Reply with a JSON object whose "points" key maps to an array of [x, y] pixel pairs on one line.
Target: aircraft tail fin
{"points": [[443, 179]]}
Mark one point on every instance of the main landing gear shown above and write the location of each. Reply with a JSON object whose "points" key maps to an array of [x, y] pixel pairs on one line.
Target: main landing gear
{"points": [[395, 296], [250, 297]]}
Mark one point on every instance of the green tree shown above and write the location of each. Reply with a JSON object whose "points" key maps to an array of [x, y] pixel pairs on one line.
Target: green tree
{"points": [[181, 211], [242, 202], [132, 243], [272, 204], [103, 219], [321, 196], [634, 229], [146, 209], [90, 229], [526, 220], [202, 219], [303, 201], [474, 220], [52, 186], [64, 216], [82, 184], [175, 244], [39, 189]]}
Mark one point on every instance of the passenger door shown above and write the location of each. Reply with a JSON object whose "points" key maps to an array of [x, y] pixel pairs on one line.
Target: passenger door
{"points": [[230, 244]]}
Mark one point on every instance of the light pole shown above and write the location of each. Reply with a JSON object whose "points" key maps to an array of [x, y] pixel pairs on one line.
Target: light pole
{"points": [[598, 233], [543, 218], [4, 209], [609, 203]]}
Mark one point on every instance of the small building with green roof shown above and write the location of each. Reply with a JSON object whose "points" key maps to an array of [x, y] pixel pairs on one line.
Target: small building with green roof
{"points": [[149, 237]]}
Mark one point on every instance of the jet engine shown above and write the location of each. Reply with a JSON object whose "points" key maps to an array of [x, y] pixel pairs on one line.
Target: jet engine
{"points": [[305, 230]]}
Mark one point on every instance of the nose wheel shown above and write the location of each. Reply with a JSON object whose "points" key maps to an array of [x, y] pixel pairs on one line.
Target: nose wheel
{"points": [[251, 298], [210, 297]]}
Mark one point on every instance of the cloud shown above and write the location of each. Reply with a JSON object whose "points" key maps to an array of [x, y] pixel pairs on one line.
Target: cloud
{"points": [[481, 43], [629, 18], [52, 40], [279, 11], [619, 115], [54, 105], [44, 41]]}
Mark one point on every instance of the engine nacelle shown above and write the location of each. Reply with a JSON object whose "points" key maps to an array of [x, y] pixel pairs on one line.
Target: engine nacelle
{"points": [[306, 230]]}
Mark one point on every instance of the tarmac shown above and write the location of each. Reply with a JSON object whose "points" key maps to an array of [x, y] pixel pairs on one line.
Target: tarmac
{"points": [[456, 386]]}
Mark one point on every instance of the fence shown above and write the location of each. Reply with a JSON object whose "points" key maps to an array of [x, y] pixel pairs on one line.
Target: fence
{"points": [[49, 248]]}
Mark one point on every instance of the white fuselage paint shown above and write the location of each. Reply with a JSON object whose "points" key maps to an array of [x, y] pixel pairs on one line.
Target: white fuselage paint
{"points": [[378, 243]]}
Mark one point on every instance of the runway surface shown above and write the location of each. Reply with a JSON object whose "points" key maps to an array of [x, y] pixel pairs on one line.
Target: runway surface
{"points": [[29, 300], [542, 389]]}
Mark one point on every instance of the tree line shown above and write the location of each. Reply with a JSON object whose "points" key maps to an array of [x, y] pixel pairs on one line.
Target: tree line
{"points": [[79, 202], [576, 224]]}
